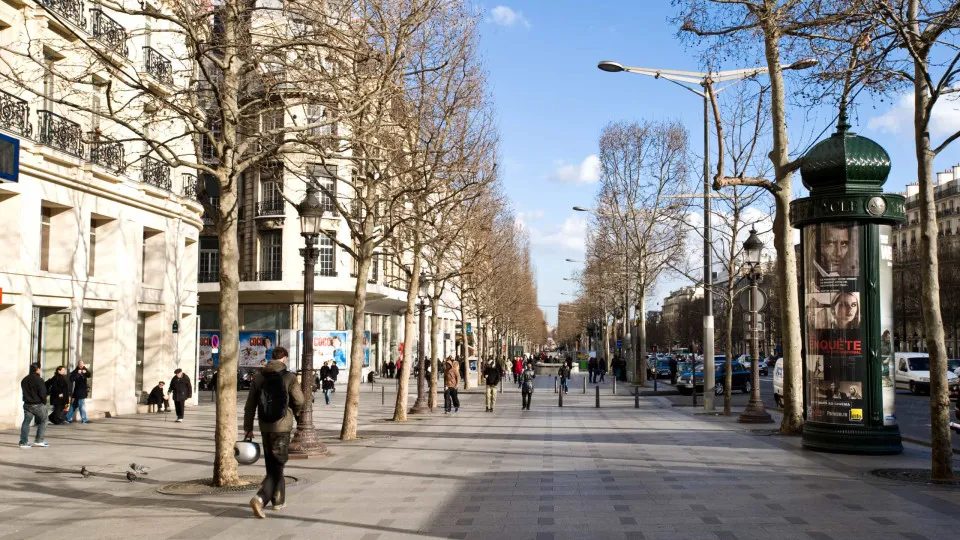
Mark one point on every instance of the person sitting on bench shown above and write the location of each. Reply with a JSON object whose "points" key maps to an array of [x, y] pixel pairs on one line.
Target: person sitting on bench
{"points": [[157, 399]]}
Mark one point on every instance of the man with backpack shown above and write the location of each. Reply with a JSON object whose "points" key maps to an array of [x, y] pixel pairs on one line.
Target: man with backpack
{"points": [[276, 398]]}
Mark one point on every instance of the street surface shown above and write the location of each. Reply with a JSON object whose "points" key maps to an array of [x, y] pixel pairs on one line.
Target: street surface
{"points": [[657, 472]]}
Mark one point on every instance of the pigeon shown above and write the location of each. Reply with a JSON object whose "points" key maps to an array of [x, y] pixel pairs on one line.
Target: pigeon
{"points": [[131, 476], [140, 469], [84, 472]]}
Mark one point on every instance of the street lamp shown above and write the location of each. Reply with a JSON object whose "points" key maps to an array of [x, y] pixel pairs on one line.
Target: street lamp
{"points": [[305, 441], [755, 412], [705, 80], [420, 406]]}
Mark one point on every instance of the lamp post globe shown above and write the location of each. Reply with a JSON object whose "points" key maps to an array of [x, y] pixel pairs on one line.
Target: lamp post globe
{"points": [[421, 406], [305, 442], [755, 413]]}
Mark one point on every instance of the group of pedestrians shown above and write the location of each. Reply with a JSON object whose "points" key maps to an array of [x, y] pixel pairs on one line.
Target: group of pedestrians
{"points": [[391, 369], [179, 390], [326, 379], [597, 369], [66, 397]]}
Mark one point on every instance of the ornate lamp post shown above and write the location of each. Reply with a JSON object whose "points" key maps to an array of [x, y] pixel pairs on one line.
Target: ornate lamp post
{"points": [[305, 442], [420, 405], [755, 412]]}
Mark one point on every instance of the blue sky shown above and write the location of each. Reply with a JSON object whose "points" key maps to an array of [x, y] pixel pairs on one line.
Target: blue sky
{"points": [[552, 103]]}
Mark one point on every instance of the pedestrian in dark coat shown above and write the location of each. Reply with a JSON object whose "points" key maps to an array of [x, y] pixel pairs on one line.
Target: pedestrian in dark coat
{"points": [[602, 368], [78, 378], [58, 388], [334, 371], [34, 407], [156, 398], [180, 390]]}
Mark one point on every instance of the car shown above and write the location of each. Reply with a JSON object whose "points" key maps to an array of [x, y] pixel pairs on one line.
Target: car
{"points": [[685, 385], [761, 365], [913, 373], [778, 382], [739, 378], [659, 368], [954, 366]]}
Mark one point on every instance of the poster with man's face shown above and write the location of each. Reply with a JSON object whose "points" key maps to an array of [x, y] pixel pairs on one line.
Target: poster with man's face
{"points": [[835, 365]]}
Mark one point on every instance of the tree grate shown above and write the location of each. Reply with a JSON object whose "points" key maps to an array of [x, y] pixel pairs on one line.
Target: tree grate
{"points": [[204, 486], [916, 476]]}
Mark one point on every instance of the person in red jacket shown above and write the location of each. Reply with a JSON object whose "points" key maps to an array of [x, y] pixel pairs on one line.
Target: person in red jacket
{"points": [[517, 370]]}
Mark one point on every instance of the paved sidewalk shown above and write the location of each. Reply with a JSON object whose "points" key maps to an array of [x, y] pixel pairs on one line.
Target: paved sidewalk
{"points": [[576, 472]]}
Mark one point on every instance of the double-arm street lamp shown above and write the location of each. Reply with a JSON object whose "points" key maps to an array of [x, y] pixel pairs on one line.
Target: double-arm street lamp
{"points": [[421, 406], [755, 412], [305, 441], [706, 80]]}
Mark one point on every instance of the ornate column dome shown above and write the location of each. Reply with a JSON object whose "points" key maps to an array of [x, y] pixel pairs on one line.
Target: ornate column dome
{"points": [[845, 163]]}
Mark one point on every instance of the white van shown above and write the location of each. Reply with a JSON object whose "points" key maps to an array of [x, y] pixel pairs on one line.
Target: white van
{"points": [[778, 383], [913, 373]]}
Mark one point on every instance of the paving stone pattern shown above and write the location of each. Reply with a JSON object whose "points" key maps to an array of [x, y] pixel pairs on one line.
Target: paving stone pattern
{"points": [[549, 473]]}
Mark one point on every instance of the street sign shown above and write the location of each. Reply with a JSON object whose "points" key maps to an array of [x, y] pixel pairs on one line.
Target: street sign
{"points": [[746, 318], [745, 299], [619, 343]]}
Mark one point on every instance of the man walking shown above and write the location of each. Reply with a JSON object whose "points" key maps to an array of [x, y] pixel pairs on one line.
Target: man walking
{"points": [[564, 374], [79, 378], [275, 398], [602, 367], [451, 380], [180, 390], [34, 408], [526, 386], [491, 375]]}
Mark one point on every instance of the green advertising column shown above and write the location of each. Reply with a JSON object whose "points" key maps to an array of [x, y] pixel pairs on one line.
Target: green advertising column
{"points": [[846, 264]]}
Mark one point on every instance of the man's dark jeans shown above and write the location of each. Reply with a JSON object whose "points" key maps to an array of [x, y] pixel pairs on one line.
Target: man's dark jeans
{"points": [[275, 453], [33, 411], [450, 395], [179, 406], [526, 396]]}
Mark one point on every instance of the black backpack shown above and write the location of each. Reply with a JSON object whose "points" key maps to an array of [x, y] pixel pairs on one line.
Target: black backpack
{"points": [[273, 398]]}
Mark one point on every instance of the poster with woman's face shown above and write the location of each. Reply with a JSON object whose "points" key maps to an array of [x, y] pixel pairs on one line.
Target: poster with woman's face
{"points": [[835, 362]]}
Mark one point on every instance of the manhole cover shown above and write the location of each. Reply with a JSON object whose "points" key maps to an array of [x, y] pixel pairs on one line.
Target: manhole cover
{"points": [[916, 476], [204, 486]]}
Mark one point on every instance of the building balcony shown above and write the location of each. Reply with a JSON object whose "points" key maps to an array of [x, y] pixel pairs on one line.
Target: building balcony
{"points": [[72, 10], [107, 153], [188, 186], [15, 115], [156, 173], [269, 275], [109, 32], [208, 277], [269, 208], [157, 65], [59, 133]]}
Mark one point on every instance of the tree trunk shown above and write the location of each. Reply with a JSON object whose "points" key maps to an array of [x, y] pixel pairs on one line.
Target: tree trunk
{"points": [[640, 350], [348, 431], [783, 239], [224, 463], [434, 345], [400, 407], [942, 452]]}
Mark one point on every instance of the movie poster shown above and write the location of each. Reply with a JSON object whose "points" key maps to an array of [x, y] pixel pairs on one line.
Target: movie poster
{"points": [[329, 345], [835, 367], [256, 347], [888, 391], [208, 358]]}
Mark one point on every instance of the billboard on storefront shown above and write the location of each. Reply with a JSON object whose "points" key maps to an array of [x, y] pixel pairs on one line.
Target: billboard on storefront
{"points": [[254, 348], [329, 345]]}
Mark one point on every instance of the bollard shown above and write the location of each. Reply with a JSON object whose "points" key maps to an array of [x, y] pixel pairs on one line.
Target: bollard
{"points": [[383, 393], [501, 385], [584, 385], [636, 397], [598, 396], [655, 378], [556, 385], [614, 387], [561, 399]]}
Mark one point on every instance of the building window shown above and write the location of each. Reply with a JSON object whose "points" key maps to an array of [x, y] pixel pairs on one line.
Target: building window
{"points": [[326, 262], [271, 261], [88, 337], [209, 263], [92, 253], [141, 334], [325, 177], [271, 182], [45, 215]]}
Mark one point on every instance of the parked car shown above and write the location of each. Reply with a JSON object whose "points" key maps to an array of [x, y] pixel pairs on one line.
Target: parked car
{"points": [[761, 365], [778, 382], [660, 369], [685, 385], [954, 366], [739, 378], [913, 373]]}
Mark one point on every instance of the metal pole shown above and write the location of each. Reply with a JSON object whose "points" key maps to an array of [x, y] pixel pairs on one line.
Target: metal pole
{"points": [[560, 402], [420, 405], [708, 376], [305, 440], [755, 412], [614, 386], [598, 396], [383, 393], [636, 397], [584, 384]]}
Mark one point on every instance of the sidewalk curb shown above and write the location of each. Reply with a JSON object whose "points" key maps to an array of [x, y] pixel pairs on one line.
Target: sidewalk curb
{"points": [[924, 443]]}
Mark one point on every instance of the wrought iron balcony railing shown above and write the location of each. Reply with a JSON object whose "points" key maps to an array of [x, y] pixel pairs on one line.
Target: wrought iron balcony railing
{"points": [[157, 65], [270, 275], [208, 277], [107, 153], [60, 133], [188, 186], [109, 32], [72, 10], [15, 114], [270, 207], [156, 173]]}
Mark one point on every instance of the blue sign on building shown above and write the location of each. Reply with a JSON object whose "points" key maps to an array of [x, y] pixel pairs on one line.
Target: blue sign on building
{"points": [[9, 158]]}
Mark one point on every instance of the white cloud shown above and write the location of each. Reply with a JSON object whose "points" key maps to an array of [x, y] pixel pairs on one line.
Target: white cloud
{"points": [[587, 172], [530, 215], [899, 119], [505, 16], [570, 235]]}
